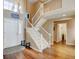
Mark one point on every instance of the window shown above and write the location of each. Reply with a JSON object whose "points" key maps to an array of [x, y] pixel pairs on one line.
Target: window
{"points": [[7, 5], [10, 6]]}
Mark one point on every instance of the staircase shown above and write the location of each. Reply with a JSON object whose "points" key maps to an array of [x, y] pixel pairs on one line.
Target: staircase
{"points": [[38, 41]]}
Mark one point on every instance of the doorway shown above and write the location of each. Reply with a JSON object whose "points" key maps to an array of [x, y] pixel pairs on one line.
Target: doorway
{"points": [[62, 32]]}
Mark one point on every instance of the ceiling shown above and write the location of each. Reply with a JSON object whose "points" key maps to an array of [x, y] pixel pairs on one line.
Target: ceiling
{"points": [[10, 0], [60, 13], [55, 14], [32, 1]]}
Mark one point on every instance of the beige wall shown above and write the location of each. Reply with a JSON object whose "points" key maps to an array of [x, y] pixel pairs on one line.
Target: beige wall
{"points": [[68, 4], [71, 32], [53, 5]]}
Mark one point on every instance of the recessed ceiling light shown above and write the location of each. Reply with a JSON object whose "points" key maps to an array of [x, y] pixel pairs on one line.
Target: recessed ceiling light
{"points": [[64, 15]]}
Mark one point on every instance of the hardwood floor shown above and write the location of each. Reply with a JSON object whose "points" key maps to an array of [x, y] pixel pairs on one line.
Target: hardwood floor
{"points": [[57, 51]]}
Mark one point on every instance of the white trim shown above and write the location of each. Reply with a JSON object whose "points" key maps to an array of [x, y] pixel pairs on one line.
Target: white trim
{"points": [[36, 13], [12, 45], [37, 20], [38, 50], [45, 31], [69, 43], [69, 18], [59, 12]]}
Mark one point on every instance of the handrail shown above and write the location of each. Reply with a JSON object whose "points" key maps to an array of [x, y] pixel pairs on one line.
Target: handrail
{"points": [[38, 17], [31, 25], [36, 13], [45, 31], [37, 20]]}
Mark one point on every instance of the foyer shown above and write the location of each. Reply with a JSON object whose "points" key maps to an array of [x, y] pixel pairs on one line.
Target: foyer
{"points": [[39, 29]]}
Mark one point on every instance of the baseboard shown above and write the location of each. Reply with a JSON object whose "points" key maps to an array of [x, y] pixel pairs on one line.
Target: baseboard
{"points": [[12, 45], [57, 41], [36, 49], [70, 44]]}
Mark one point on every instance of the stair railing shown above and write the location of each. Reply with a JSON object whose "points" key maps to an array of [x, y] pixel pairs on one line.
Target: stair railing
{"points": [[38, 18], [45, 31], [39, 10], [47, 35], [38, 15]]}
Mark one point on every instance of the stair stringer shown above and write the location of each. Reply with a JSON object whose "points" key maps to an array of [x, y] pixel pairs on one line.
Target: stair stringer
{"points": [[33, 44]]}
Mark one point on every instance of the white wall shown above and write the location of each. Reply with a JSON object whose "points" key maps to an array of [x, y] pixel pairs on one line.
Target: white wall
{"points": [[11, 30], [68, 4]]}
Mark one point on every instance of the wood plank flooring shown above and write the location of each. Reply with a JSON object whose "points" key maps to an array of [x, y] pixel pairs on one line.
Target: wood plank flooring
{"points": [[57, 51]]}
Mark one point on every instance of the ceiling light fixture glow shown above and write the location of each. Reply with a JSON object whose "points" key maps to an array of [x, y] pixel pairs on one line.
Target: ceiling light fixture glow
{"points": [[64, 15]]}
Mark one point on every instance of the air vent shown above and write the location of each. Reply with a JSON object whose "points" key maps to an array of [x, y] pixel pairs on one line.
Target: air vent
{"points": [[15, 15]]}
